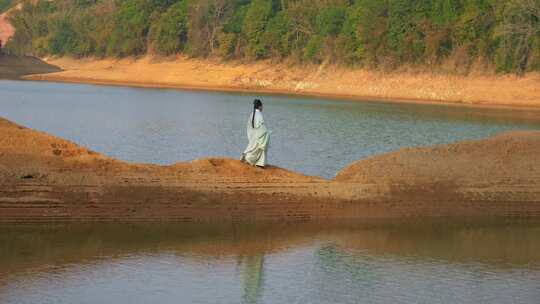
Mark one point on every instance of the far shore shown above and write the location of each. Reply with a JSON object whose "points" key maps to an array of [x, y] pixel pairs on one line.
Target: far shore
{"points": [[246, 90], [505, 91]]}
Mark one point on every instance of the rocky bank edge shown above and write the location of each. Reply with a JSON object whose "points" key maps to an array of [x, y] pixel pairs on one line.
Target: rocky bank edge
{"points": [[47, 179]]}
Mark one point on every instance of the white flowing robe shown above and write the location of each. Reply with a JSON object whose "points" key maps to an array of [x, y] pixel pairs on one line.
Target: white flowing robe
{"points": [[255, 153]]}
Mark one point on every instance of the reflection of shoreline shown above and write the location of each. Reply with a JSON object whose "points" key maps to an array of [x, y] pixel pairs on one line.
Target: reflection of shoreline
{"points": [[501, 246], [324, 270]]}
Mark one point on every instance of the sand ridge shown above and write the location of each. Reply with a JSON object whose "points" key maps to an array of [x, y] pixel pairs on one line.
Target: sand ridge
{"points": [[44, 178], [508, 155]]}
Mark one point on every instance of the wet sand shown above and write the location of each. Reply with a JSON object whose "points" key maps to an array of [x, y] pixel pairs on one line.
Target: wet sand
{"points": [[44, 178], [266, 77]]}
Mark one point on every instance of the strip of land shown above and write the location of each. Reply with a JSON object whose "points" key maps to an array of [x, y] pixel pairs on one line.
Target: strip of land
{"points": [[13, 67], [44, 178], [324, 80]]}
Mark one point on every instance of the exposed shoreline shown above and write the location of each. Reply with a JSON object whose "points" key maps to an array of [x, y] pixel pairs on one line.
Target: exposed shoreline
{"points": [[47, 179], [505, 92], [243, 90]]}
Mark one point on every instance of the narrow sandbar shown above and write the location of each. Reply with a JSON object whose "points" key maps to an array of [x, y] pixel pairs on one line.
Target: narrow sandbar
{"points": [[44, 178]]}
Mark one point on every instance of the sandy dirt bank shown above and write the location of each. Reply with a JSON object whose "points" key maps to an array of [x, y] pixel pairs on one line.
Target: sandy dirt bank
{"points": [[45, 178], [325, 80]]}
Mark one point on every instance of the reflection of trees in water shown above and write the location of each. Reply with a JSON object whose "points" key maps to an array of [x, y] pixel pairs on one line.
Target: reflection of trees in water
{"points": [[253, 278]]}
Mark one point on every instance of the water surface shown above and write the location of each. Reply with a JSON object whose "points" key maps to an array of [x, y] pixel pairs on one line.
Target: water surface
{"points": [[173, 263], [439, 262], [313, 136]]}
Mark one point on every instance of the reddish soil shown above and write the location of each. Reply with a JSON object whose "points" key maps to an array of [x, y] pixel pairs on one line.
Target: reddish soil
{"points": [[6, 29], [45, 178]]}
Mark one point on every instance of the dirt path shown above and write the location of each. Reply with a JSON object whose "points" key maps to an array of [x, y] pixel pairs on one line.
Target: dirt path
{"points": [[45, 178]]}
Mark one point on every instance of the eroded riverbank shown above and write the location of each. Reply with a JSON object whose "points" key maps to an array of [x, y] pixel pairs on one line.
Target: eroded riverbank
{"points": [[323, 81], [45, 178]]}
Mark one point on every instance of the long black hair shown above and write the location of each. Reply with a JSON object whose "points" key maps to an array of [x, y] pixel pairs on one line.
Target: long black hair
{"points": [[257, 104]]}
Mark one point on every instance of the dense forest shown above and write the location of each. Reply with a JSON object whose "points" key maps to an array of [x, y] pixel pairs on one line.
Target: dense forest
{"points": [[497, 35]]}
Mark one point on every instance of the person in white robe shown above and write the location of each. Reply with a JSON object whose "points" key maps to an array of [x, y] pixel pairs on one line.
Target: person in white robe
{"points": [[258, 136]]}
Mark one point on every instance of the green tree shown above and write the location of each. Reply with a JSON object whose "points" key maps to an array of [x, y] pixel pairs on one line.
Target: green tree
{"points": [[313, 49], [330, 20], [519, 32], [231, 39], [369, 33], [63, 39], [169, 33], [257, 17], [277, 36], [349, 47], [131, 26]]}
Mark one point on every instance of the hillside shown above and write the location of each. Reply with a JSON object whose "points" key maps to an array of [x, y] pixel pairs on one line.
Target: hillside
{"points": [[455, 36]]}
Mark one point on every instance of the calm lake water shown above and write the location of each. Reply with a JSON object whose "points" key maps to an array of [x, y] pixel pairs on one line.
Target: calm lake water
{"points": [[313, 136], [406, 263], [440, 262]]}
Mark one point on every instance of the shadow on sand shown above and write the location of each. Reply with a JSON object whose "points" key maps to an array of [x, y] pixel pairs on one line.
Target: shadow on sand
{"points": [[14, 67]]}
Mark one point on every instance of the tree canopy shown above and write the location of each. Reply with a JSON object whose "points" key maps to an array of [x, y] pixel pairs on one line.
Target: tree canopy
{"points": [[503, 35]]}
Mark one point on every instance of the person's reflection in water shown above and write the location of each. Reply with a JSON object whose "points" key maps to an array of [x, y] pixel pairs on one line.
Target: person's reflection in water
{"points": [[253, 278]]}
